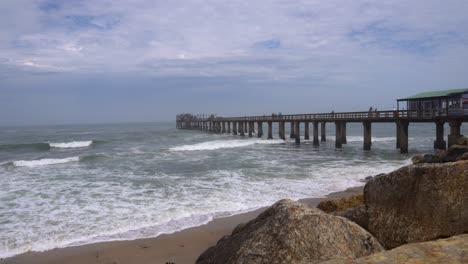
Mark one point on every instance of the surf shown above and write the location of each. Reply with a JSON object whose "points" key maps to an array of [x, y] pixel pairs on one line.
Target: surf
{"points": [[222, 144]]}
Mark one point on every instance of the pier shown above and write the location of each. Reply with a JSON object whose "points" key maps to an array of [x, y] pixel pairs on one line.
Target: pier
{"points": [[439, 108]]}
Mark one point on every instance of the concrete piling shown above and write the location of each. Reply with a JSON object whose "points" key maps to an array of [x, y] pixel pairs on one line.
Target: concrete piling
{"points": [[455, 129], [338, 135], [292, 130], [367, 135], [403, 136], [270, 130], [297, 132], [316, 133], [259, 129], [323, 131], [440, 143], [281, 130]]}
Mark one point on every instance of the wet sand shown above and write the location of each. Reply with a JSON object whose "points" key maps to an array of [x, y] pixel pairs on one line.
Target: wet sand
{"points": [[181, 247]]}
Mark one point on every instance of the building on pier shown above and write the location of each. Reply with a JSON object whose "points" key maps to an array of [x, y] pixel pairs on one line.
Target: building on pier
{"points": [[437, 103]]}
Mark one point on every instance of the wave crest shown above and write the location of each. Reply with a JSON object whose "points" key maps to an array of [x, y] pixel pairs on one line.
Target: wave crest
{"points": [[73, 144], [43, 162], [219, 144]]}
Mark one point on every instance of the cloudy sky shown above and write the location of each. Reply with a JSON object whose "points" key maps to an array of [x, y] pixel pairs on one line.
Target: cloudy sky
{"points": [[88, 61]]}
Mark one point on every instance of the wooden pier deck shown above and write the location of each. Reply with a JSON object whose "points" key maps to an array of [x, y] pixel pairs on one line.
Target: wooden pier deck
{"points": [[401, 119]]}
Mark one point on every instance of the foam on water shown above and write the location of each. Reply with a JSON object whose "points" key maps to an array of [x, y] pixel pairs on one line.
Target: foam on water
{"points": [[43, 162], [73, 144], [151, 180], [220, 144]]}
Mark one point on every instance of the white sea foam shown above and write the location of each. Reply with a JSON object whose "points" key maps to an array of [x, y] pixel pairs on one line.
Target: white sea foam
{"points": [[220, 144], [43, 162], [73, 144]]}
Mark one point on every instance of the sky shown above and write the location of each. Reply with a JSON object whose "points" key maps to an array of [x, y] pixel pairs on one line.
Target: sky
{"points": [[105, 61]]}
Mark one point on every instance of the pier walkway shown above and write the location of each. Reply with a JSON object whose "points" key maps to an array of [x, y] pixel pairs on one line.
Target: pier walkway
{"points": [[247, 125]]}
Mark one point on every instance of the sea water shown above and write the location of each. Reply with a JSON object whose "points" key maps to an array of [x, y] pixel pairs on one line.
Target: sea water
{"points": [[71, 185]]}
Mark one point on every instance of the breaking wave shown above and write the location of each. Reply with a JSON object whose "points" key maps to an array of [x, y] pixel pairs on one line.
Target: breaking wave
{"points": [[47, 146], [48, 161], [43, 162], [220, 144], [73, 144]]}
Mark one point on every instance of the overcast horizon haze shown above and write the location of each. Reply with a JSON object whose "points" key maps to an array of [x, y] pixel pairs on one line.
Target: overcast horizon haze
{"points": [[85, 61]]}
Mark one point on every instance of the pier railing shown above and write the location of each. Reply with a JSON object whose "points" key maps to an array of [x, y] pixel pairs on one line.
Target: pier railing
{"points": [[376, 116]]}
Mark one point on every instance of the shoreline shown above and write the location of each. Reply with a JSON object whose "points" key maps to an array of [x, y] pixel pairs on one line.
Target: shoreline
{"points": [[180, 247]]}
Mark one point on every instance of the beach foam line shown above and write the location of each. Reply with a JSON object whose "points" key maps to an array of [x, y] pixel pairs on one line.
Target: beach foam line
{"points": [[220, 144], [72, 144]]}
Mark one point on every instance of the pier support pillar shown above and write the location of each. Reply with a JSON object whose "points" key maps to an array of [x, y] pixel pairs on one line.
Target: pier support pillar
{"points": [[455, 129], [259, 129], [323, 131], [343, 133], [234, 128], [281, 130], [403, 136], [306, 130], [292, 130], [367, 135], [315, 133], [229, 127], [338, 137], [210, 126], [224, 127], [297, 132], [440, 143], [398, 135], [250, 128], [246, 127], [241, 129], [270, 130]]}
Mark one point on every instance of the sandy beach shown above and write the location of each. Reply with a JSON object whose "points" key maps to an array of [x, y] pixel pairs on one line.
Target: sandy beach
{"points": [[181, 247]]}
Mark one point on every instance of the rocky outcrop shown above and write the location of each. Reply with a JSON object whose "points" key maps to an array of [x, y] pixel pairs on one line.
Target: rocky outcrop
{"points": [[450, 250], [418, 203], [291, 232], [341, 204], [454, 153]]}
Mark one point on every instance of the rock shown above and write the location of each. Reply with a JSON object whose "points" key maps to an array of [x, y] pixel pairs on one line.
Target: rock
{"points": [[418, 203], [341, 204], [357, 214], [291, 232], [454, 152], [427, 158], [463, 157], [462, 141], [450, 250]]}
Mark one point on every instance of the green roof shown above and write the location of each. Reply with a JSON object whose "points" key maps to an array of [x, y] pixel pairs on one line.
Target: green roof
{"points": [[432, 94]]}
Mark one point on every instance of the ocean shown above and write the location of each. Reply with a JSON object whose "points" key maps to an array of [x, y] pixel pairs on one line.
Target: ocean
{"points": [[71, 185]]}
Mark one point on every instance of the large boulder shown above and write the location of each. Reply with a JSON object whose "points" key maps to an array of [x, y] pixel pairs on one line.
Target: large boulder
{"points": [[418, 203], [450, 250], [291, 232]]}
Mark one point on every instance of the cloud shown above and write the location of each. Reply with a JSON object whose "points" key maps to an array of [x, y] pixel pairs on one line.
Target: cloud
{"points": [[119, 36], [276, 48]]}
